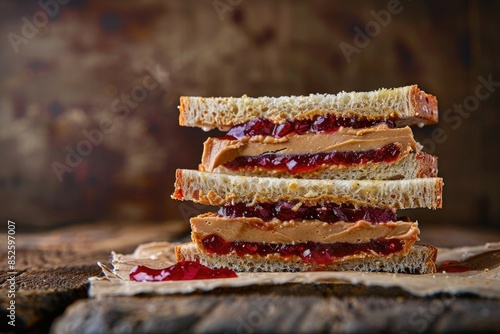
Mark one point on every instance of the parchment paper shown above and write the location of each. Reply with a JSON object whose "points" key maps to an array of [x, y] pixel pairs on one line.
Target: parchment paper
{"points": [[483, 281]]}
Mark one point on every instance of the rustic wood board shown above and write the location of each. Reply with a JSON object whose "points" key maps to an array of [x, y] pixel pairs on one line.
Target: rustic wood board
{"points": [[53, 269], [282, 309]]}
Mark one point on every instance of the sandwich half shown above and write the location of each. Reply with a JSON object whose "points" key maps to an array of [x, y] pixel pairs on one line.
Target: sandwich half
{"points": [[278, 224], [311, 182], [343, 136]]}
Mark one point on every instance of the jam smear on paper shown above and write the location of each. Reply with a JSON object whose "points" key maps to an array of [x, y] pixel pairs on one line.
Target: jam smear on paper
{"points": [[327, 123], [452, 266], [301, 163], [311, 252], [328, 212], [185, 270], [487, 260]]}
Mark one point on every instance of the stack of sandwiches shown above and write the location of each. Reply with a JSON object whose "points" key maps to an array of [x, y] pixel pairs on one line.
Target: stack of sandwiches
{"points": [[314, 182]]}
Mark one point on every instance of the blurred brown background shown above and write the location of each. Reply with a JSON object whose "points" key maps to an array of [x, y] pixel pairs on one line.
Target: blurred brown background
{"points": [[89, 93]]}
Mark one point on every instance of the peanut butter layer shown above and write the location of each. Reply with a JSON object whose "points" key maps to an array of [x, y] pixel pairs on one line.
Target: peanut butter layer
{"points": [[291, 232], [220, 151]]}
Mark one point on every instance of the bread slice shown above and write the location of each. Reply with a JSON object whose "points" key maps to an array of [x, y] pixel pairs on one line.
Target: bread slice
{"points": [[406, 105], [218, 189], [414, 165], [420, 260]]}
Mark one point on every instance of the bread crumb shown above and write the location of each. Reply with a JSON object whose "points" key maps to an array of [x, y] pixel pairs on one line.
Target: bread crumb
{"points": [[296, 206]]}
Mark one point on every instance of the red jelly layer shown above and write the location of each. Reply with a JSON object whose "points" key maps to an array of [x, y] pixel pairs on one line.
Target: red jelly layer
{"points": [[311, 252], [186, 270], [308, 162], [329, 212], [327, 123]]}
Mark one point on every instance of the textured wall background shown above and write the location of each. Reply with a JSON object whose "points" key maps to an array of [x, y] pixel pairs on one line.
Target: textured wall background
{"points": [[98, 83]]}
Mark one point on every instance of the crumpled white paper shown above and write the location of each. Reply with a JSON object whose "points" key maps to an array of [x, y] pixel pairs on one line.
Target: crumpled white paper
{"points": [[484, 281]]}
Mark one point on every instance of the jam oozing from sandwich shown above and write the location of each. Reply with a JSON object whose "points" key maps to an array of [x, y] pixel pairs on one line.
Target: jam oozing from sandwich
{"points": [[311, 252], [308, 162], [185, 270], [329, 212], [327, 123]]}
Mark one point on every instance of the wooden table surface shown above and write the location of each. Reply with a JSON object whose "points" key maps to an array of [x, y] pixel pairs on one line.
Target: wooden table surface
{"points": [[53, 268]]}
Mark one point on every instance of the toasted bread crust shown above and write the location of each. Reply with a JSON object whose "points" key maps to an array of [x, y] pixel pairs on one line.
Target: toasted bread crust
{"points": [[428, 165], [421, 259], [425, 105], [406, 105]]}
